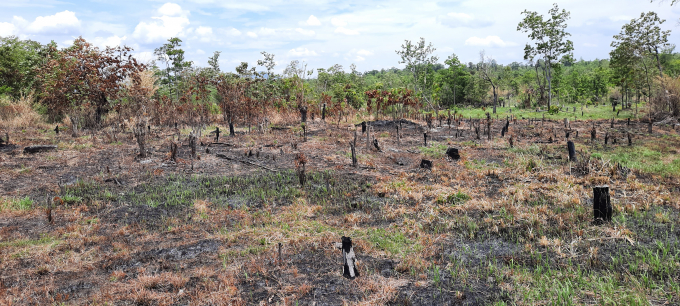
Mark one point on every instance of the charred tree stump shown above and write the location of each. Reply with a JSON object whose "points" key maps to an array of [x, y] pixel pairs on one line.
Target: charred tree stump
{"points": [[323, 112], [217, 134], [368, 138], [303, 114], [593, 134], [453, 153], [398, 135], [231, 129], [376, 144], [628, 124], [140, 134], [426, 164], [649, 127], [606, 138], [363, 127], [425, 137], [630, 140], [572, 151], [353, 146], [602, 207], [304, 132], [280, 257], [56, 129], [349, 269], [173, 151], [511, 142]]}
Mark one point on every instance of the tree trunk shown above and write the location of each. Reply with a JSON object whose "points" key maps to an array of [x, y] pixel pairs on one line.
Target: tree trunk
{"points": [[572, 151]]}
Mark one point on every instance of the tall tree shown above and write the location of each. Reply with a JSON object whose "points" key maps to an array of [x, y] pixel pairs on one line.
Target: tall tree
{"points": [[418, 59], [489, 72], [644, 36], [173, 57], [549, 38]]}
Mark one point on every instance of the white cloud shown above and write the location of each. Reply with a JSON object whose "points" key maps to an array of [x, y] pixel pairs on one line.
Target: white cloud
{"points": [[7, 29], [252, 34], [364, 52], [338, 22], [157, 31], [313, 21], [456, 20], [489, 41], [59, 23], [346, 31], [231, 32], [302, 52], [204, 31], [359, 59], [305, 32], [144, 57], [111, 41], [170, 9], [266, 32]]}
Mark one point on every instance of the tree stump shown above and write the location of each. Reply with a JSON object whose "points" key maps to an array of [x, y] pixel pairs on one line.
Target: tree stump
{"points": [[453, 153], [649, 127], [425, 136], [376, 144], [231, 129], [349, 269], [363, 127], [572, 150], [426, 164], [630, 140], [602, 207], [56, 129]]}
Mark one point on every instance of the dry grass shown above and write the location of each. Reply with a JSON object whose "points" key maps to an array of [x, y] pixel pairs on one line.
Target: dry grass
{"points": [[19, 114]]}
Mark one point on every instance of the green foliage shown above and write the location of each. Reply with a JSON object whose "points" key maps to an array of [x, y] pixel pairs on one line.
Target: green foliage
{"points": [[457, 198], [553, 110]]}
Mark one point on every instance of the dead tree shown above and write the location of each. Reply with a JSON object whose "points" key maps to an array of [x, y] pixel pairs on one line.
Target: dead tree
{"points": [[39, 148]]}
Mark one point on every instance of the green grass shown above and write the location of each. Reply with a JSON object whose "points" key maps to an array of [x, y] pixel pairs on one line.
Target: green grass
{"points": [[29, 242], [434, 151], [392, 242], [16, 204], [454, 198], [645, 159], [592, 112]]}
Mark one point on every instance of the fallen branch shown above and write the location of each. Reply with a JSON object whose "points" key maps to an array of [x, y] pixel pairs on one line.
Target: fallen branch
{"points": [[39, 148]]}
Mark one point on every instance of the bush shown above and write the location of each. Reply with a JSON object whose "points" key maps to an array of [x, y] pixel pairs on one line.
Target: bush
{"points": [[553, 110]]}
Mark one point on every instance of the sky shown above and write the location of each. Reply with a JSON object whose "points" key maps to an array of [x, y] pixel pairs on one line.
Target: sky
{"points": [[322, 33]]}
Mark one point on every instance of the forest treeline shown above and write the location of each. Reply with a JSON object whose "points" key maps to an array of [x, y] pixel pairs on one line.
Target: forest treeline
{"points": [[86, 83]]}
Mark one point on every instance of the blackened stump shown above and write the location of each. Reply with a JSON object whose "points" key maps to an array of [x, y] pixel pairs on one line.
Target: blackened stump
{"points": [[426, 164], [572, 150], [363, 127], [349, 269], [453, 153], [602, 207]]}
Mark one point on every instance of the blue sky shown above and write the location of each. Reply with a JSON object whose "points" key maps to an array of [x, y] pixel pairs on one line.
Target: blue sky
{"points": [[321, 33]]}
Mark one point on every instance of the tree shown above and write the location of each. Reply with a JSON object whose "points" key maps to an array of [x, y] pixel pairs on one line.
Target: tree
{"points": [[82, 76], [214, 61], [488, 71], [643, 37], [418, 60], [549, 38], [173, 57], [19, 60]]}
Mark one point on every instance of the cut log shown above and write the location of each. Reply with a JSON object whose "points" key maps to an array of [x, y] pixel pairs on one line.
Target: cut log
{"points": [[602, 207], [39, 148]]}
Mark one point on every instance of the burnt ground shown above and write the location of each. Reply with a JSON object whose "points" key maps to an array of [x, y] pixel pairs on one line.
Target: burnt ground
{"points": [[490, 228]]}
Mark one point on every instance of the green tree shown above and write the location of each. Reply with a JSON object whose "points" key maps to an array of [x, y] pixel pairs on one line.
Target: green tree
{"points": [[173, 57], [643, 37], [418, 59], [19, 60], [549, 38]]}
